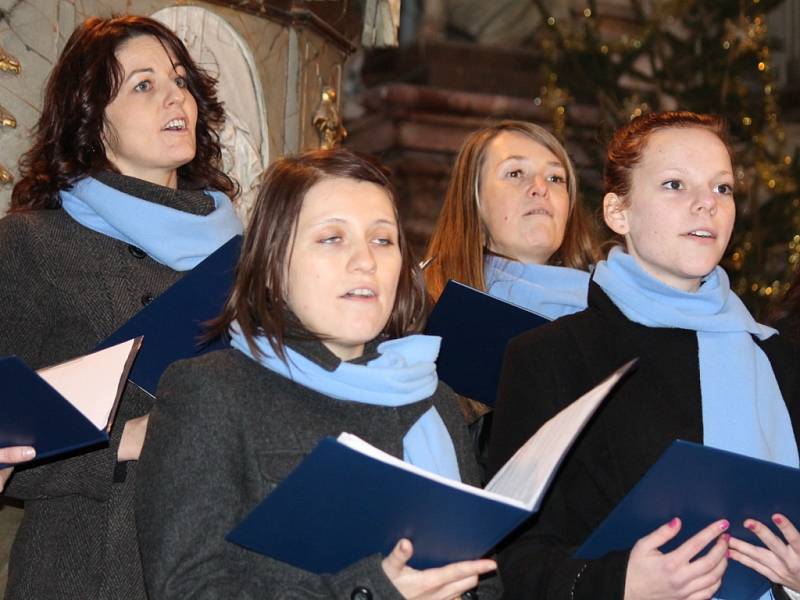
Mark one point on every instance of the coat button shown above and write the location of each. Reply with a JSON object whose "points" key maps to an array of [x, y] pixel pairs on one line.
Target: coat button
{"points": [[361, 593], [136, 252], [147, 299], [470, 595]]}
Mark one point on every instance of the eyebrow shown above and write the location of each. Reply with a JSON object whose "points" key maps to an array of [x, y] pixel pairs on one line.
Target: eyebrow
{"points": [[686, 172], [175, 67], [136, 71], [340, 220], [551, 163]]}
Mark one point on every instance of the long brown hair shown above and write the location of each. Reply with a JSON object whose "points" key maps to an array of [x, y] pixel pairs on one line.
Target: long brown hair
{"points": [[256, 299], [68, 138], [457, 244]]}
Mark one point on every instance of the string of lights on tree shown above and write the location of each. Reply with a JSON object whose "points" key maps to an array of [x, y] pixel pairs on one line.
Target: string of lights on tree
{"points": [[711, 57]]}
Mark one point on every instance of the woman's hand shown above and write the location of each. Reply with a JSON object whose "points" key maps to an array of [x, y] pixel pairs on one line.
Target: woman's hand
{"points": [[13, 455], [653, 575], [443, 583], [780, 560], [130, 446]]}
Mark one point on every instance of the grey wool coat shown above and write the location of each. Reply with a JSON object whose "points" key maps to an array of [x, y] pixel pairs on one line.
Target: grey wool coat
{"points": [[224, 433], [64, 288]]}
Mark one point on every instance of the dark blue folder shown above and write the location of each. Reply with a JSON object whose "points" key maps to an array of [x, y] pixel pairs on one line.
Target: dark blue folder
{"points": [[366, 506], [172, 323], [475, 329], [36, 414], [700, 484]]}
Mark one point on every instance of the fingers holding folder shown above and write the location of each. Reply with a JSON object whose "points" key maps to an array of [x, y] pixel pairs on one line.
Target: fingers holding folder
{"points": [[440, 583], [678, 574], [13, 455], [780, 560]]}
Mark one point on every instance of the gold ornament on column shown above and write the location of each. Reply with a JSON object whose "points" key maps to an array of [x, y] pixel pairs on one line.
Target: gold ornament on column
{"points": [[5, 176], [7, 119], [328, 121], [8, 63]]}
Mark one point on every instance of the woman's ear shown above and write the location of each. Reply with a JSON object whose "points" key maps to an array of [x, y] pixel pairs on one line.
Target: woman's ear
{"points": [[615, 213]]}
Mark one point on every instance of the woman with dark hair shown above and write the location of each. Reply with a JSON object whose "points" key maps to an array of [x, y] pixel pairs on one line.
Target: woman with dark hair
{"points": [[662, 297], [119, 193], [324, 299]]}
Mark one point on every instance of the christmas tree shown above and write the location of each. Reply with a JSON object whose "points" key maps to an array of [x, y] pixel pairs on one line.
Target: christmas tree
{"points": [[709, 57]]}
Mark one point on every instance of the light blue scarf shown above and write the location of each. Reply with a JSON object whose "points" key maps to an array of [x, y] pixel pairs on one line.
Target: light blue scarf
{"points": [[404, 373], [743, 409], [174, 238], [545, 289]]}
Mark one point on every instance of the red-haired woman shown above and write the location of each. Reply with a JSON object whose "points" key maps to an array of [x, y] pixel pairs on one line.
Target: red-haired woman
{"points": [[120, 193], [659, 296]]}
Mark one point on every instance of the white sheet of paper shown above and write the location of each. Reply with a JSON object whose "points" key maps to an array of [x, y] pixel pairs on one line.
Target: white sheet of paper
{"points": [[524, 479], [92, 382], [527, 475]]}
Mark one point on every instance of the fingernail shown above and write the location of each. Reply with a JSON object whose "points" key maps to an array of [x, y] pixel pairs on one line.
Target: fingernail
{"points": [[724, 525], [729, 554], [777, 519], [750, 525], [28, 453], [674, 522], [726, 537]]}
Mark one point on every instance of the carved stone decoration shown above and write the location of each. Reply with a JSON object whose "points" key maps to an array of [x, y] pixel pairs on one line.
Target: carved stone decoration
{"points": [[221, 51], [328, 121], [381, 22], [7, 119], [5, 176], [8, 63]]}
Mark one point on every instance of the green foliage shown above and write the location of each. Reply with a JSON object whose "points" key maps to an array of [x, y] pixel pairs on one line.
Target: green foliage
{"points": [[708, 57]]}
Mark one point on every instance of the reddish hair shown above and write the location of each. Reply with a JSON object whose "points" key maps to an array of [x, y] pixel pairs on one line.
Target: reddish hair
{"points": [[68, 139], [627, 146]]}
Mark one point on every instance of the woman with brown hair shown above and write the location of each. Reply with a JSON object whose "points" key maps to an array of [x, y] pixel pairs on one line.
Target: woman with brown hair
{"points": [[119, 194], [707, 372], [324, 299], [511, 212], [512, 225]]}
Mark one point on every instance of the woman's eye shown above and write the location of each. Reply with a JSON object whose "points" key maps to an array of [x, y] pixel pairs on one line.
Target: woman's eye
{"points": [[181, 82], [673, 184], [515, 174], [724, 188], [384, 241], [556, 179], [143, 86], [331, 239]]}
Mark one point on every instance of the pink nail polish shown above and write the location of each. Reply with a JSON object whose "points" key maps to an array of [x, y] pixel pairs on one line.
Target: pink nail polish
{"points": [[751, 526], [778, 520], [724, 525], [674, 522]]}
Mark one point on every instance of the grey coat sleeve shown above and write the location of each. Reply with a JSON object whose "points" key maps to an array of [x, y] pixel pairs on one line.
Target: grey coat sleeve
{"points": [[197, 478], [37, 325]]}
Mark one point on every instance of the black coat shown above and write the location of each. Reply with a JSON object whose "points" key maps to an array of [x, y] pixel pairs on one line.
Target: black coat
{"points": [[64, 288], [546, 369], [224, 433]]}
